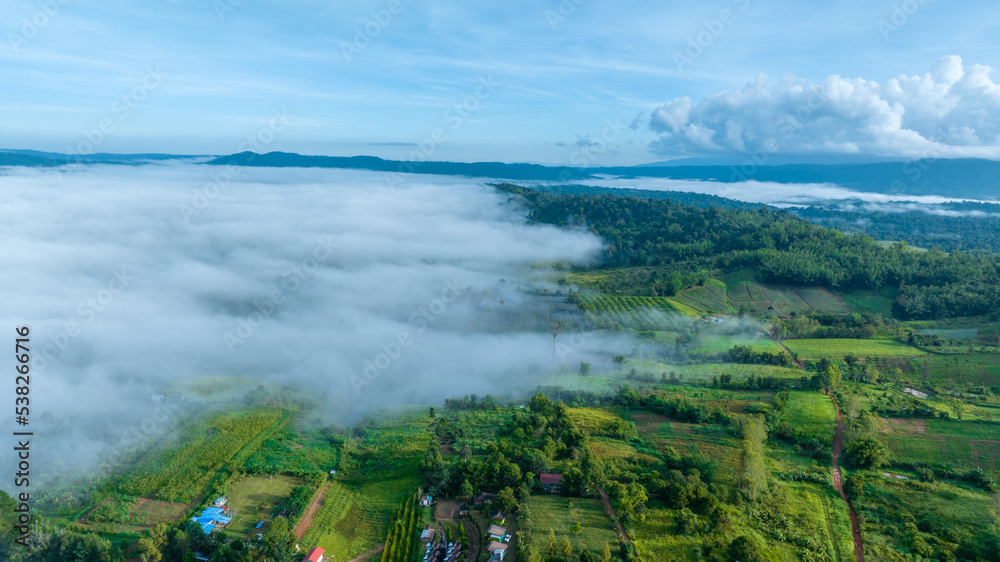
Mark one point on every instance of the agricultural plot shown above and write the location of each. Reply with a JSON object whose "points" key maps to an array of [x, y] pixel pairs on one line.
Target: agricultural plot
{"points": [[629, 313], [181, 469], [611, 448], [812, 414], [976, 369], [711, 440], [709, 299], [785, 299], [940, 508], [709, 343], [254, 499], [963, 445], [818, 348], [133, 515], [708, 370], [592, 420], [821, 300], [559, 514], [354, 519], [869, 301], [956, 334]]}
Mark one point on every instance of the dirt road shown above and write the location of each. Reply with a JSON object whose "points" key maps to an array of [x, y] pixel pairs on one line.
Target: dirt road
{"points": [[622, 535], [307, 517], [838, 449]]}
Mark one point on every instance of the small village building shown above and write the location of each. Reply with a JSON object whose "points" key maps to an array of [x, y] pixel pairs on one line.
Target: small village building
{"points": [[426, 500], [427, 535], [496, 532], [498, 516], [315, 555], [497, 550], [551, 482], [485, 499]]}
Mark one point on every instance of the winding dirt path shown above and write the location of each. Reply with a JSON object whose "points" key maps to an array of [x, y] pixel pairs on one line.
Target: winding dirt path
{"points": [[838, 449], [611, 513], [307, 517]]}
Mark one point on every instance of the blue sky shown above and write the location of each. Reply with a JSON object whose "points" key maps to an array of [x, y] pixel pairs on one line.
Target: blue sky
{"points": [[540, 81]]}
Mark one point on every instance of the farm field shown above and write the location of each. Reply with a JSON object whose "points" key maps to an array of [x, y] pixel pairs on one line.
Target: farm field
{"points": [[254, 499], [593, 420], [354, 519], [940, 507], [818, 348], [181, 469], [821, 300], [629, 313], [708, 299], [711, 440], [868, 301], [811, 414], [785, 299], [709, 370], [947, 371], [709, 343], [559, 514], [963, 445]]}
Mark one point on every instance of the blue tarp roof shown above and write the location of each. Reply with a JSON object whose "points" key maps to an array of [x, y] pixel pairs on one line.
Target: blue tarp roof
{"points": [[212, 512], [208, 528]]}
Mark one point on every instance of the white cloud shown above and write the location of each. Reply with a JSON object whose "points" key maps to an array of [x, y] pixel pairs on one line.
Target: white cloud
{"points": [[951, 111], [353, 258]]}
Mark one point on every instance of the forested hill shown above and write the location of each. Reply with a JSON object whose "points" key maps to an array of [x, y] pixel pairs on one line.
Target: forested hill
{"points": [[676, 240], [474, 169]]}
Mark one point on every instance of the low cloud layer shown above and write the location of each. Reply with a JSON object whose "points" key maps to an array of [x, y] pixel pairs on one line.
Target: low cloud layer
{"points": [[951, 111], [770, 193], [135, 279]]}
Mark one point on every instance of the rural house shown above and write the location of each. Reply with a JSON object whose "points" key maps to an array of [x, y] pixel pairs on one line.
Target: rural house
{"points": [[497, 532], [551, 482], [314, 555], [426, 500], [485, 499], [497, 550]]}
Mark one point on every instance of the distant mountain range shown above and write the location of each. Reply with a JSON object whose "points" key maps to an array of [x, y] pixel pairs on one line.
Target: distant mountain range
{"points": [[958, 178]]}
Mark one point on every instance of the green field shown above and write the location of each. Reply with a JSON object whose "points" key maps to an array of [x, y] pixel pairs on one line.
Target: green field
{"points": [[815, 349], [709, 299], [811, 414], [181, 468], [708, 343], [946, 371], [559, 514], [354, 519], [869, 301], [629, 313], [711, 440], [963, 445], [822, 300], [785, 300], [254, 498]]}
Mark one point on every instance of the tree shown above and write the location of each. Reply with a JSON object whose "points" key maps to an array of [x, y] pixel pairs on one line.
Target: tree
{"points": [[551, 550], [832, 376], [432, 413], [606, 554], [148, 551], [867, 452], [573, 482], [584, 369], [854, 486], [745, 549], [566, 548], [465, 491], [506, 500]]}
